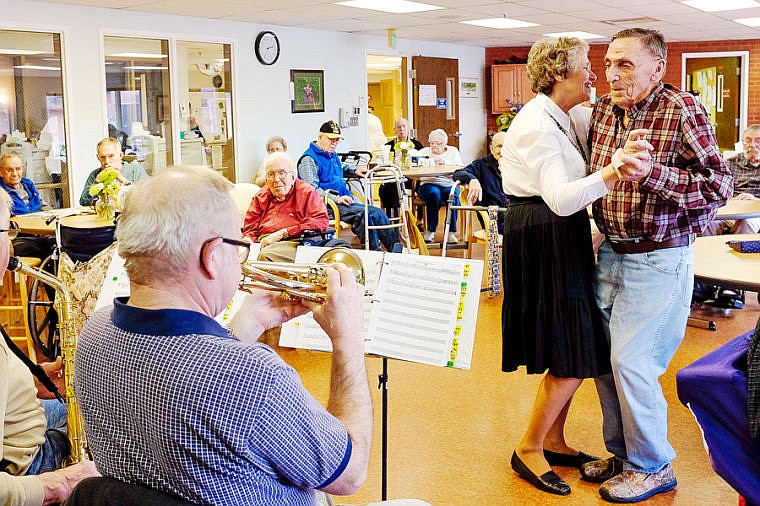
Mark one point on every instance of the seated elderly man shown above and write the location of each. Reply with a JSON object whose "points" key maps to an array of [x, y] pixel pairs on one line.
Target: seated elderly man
{"points": [[483, 178], [207, 413], [746, 170], [434, 191], [24, 199], [32, 432], [283, 209], [111, 157], [320, 166]]}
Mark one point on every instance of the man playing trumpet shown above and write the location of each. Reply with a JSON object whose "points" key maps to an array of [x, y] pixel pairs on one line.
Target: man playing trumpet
{"points": [[203, 412]]}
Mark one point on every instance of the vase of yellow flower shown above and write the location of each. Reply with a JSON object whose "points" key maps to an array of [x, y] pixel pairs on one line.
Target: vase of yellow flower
{"points": [[404, 157], [106, 188]]}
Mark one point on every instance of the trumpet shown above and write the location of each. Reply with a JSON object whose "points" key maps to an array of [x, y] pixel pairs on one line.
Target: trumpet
{"points": [[299, 281]]}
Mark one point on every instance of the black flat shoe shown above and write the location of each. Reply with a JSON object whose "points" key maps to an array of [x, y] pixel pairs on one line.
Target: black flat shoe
{"points": [[548, 482], [563, 459]]}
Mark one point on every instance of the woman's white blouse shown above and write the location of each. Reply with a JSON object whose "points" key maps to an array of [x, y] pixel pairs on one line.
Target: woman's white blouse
{"points": [[538, 159]]}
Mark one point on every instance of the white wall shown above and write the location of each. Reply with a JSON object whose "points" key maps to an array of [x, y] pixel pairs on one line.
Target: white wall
{"points": [[261, 93]]}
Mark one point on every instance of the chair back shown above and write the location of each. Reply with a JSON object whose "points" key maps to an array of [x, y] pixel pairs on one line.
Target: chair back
{"points": [[416, 241], [81, 244], [103, 491], [242, 194]]}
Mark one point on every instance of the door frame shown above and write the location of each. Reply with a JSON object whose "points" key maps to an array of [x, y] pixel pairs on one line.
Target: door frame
{"points": [[744, 96], [409, 113]]}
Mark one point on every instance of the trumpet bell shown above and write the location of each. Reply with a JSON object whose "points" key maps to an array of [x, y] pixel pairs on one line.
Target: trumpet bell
{"points": [[347, 257]]}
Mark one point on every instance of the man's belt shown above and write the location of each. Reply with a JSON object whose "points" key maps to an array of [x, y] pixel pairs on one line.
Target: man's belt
{"points": [[645, 245]]}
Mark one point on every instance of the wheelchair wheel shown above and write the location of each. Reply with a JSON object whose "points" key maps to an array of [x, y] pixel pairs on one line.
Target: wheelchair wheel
{"points": [[42, 317]]}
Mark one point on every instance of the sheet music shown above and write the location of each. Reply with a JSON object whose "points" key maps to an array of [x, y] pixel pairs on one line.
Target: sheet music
{"points": [[423, 309]]}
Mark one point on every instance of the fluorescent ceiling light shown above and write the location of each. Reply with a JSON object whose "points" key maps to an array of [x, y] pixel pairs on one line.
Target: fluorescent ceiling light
{"points": [[20, 51], [722, 5], [579, 35], [145, 67], [749, 21], [138, 55], [35, 67], [394, 6], [501, 23]]}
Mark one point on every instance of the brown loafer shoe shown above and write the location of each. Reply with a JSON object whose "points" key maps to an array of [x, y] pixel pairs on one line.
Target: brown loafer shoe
{"points": [[599, 471], [634, 486]]}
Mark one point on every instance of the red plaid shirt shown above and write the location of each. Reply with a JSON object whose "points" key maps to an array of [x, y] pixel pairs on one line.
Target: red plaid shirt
{"points": [[688, 182]]}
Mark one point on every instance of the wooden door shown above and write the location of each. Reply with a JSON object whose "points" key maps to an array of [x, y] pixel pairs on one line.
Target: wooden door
{"points": [[436, 97]]}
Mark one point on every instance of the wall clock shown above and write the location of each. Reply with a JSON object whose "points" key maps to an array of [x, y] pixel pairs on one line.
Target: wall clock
{"points": [[267, 47]]}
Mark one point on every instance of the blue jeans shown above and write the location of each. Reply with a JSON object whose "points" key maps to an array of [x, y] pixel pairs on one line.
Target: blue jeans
{"points": [[644, 299], [354, 214], [56, 445], [434, 196]]}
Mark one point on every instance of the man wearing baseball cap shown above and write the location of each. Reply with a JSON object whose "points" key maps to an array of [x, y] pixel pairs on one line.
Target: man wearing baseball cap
{"points": [[321, 167]]}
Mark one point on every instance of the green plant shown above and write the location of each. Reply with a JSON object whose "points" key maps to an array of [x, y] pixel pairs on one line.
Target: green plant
{"points": [[504, 120]]}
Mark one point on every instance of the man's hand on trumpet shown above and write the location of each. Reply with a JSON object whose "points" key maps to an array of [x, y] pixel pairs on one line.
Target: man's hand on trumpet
{"points": [[342, 315]]}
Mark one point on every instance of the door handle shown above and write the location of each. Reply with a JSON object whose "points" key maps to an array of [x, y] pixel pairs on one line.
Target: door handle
{"points": [[457, 134]]}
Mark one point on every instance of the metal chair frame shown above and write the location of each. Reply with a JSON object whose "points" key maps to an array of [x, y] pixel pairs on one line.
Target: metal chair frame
{"points": [[381, 174]]}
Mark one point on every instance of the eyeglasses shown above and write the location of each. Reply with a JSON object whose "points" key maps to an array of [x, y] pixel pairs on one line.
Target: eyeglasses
{"points": [[244, 248], [280, 174], [12, 231]]}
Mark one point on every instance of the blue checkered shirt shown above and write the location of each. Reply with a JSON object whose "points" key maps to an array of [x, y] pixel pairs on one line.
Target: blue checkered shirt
{"points": [[172, 401]]}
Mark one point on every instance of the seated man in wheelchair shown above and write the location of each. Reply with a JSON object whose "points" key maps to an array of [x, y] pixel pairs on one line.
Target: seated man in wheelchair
{"points": [[283, 210]]}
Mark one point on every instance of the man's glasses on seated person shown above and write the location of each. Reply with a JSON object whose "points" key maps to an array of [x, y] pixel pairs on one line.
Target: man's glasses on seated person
{"points": [[279, 174], [12, 231], [244, 247]]}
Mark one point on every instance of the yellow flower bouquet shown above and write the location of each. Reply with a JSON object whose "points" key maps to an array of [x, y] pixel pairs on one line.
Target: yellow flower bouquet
{"points": [[106, 188]]}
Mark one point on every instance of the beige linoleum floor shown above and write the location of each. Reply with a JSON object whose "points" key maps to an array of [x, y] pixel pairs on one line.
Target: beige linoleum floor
{"points": [[452, 432]]}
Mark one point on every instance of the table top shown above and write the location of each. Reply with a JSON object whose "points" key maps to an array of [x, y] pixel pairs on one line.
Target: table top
{"points": [[80, 217], [716, 262], [739, 209], [433, 170]]}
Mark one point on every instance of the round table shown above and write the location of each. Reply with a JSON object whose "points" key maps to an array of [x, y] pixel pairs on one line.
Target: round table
{"points": [[37, 223], [739, 210], [717, 263]]}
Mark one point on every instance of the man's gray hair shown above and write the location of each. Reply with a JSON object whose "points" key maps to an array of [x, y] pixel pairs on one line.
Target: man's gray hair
{"points": [[166, 218], [399, 121], [280, 159], [751, 128], [109, 141], [440, 134], [551, 57], [500, 135], [10, 154], [653, 40]]}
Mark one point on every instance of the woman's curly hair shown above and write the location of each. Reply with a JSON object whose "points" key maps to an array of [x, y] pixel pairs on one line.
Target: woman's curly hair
{"points": [[552, 57]]}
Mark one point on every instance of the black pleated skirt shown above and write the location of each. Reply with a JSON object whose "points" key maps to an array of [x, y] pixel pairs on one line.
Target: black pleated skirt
{"points": [[550, 320]]}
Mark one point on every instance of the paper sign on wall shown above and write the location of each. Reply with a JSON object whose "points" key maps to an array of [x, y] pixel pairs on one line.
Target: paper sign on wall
{"points": [[427, 94]]}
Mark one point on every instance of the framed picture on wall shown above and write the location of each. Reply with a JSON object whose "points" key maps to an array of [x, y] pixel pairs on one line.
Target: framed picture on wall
{"points": [[469, 87], [308, 91]]}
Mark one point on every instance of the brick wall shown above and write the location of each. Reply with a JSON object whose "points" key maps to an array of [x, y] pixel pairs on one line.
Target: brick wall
{"points": [[672, 72]]}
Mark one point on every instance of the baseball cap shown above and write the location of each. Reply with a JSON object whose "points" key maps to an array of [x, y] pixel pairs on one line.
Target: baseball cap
{"points": [[331, 130]]}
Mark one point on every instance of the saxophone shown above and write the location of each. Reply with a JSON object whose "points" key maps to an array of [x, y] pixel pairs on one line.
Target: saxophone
{"points": [[77, 440]]}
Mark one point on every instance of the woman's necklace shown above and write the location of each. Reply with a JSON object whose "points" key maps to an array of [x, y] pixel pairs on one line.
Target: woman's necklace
{"points": [[577, 143]]}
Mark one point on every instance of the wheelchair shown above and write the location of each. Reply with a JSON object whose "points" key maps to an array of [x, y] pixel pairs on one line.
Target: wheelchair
{"points": [[80, 244]]}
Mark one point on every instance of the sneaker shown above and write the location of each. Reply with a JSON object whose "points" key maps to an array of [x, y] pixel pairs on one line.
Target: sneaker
{"points": [[635, 486], [452, 238], [428, 236], [599, 471]]}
